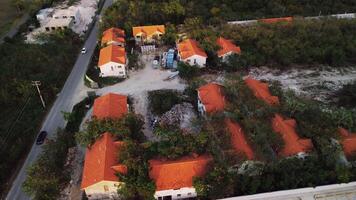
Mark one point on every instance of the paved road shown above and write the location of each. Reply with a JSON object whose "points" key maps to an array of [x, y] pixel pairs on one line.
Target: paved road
{"points": [[14, 28], [64, 102]]}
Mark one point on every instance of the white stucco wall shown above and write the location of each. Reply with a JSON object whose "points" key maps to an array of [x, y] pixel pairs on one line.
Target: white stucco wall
{"points": [[103, 190], [201, 107], [181, 193], [196, 59], [226, 55], [113, 69]]}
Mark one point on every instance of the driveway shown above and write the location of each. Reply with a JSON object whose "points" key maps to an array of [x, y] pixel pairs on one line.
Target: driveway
{"points": [[139, 83], [64, 102]]}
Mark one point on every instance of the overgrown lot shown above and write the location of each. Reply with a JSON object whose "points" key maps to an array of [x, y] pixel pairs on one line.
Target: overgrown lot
{"points": [[22, 111]]}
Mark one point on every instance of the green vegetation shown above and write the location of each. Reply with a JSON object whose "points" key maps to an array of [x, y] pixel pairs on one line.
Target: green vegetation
{"points": [[7, 15], [127, 13], [186, 71], [255, 116], [124, 128], [304, 42], [22, 111], [47, 176], [347, 95], [161, 101], [323, 166]]}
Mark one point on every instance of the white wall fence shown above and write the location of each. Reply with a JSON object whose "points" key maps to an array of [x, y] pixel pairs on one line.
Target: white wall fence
{"points": [[338, 16]]}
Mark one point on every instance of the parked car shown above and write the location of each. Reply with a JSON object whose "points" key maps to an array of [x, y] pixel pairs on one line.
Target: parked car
{"points": [[84, 50], [41, 137]]}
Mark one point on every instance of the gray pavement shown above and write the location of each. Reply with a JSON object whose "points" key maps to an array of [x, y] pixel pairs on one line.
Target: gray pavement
{"points": [[64, 102]]}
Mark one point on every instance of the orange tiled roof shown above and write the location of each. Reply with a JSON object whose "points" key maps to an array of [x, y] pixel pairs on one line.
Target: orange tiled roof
{"points": [[261, 91], [238, 139], [110, 106], [211, 95], [148, 30], [227, 46], [100, 161], [178, 173], [113, 34], [112, 53], [292, 143], [276, 20], [348, 141], [189, 48]]}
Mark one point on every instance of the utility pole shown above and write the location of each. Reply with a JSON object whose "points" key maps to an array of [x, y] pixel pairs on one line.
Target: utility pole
{"points": [[37, 84]]}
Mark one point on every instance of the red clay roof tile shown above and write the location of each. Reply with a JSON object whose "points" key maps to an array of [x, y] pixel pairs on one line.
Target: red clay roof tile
{"points": [[110, 106], [226, 46], [178, 173], [112, 53], [189, 47], [100, 161], [238, 139], [261, 91], [292, 143], [211, 95]]}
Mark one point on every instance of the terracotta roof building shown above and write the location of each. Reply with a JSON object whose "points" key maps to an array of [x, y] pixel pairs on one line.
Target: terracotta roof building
{"points": [[261, 91], [238, 139], [190, 52], [211, 98], [110, 106], [100, 166], [112, 61], [175, 178], [276, 20], [293, 144], [148, 33], [114, 36], [226, 48], [348, 142]]}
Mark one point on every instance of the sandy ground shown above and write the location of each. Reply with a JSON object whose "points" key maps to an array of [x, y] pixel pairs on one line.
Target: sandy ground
{"points": [[319, 84]]}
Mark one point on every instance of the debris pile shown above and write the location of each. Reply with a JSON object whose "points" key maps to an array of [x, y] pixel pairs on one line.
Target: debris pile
{"points": [[181, 115]]}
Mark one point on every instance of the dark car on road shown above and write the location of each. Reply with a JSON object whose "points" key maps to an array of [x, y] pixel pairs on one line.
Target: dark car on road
{"points": [[41, 137]]}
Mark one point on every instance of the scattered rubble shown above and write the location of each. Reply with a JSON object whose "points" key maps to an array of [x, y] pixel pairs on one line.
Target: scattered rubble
{"points": [[181, 115]]}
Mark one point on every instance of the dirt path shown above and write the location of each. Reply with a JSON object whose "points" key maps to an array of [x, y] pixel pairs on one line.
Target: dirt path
{"points": [[318, 83], [139, 83]]}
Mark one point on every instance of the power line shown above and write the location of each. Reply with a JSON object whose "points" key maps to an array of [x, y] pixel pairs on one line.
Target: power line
{"points": [[13, 124]]}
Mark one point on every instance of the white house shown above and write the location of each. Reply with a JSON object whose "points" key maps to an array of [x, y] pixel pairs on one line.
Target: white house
{"points": [[210, 99], [71, 12], [112, 62], [190, 52], [100, 167], [148, 34], [174, 179], [113, 36]]}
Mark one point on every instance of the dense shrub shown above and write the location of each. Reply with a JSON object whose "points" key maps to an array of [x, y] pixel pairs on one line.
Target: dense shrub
{"points": [[347, 95], [161, 101], [186, 71]]}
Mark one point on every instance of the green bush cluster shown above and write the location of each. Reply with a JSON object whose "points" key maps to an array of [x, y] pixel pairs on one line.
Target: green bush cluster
{"points": [[161, 101]]}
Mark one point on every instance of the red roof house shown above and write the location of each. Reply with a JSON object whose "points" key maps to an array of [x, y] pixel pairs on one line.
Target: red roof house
{"points": [[178, 173], [238, 139], [348, 142], [190, 52], [112, 53], [261, 91], [113, 36], [211, 98], [226, 47], [110, 106], [293, 144], [101, 161]]}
